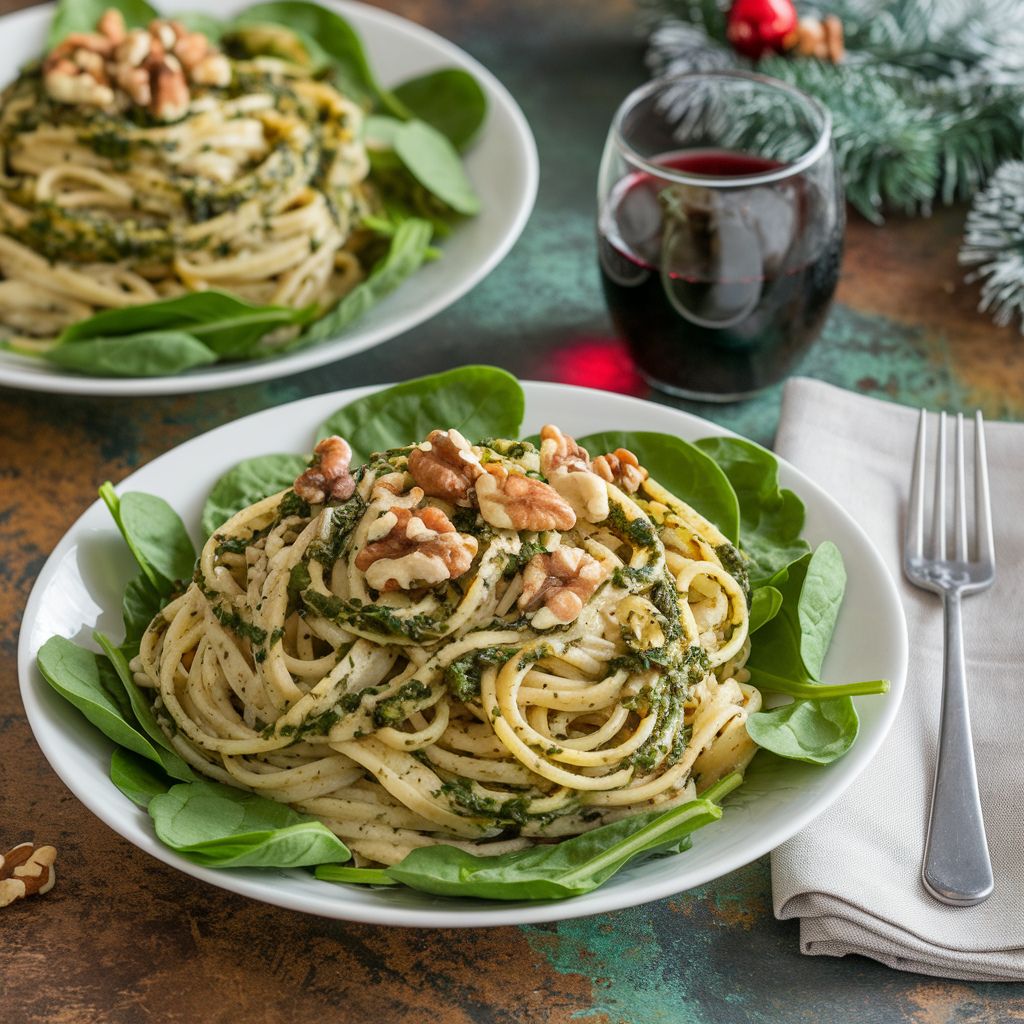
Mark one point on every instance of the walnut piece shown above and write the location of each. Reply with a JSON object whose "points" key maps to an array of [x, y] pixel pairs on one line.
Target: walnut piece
{"points": [[560, 451], [561, 581], [149, 68], [510, 501], [413, 548], [328, 478], [622, 468], [445, 466], [26, 870]]}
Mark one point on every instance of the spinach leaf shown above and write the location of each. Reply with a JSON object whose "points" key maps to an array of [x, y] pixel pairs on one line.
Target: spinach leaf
{"points": [[771, 517], [83, 16], [226, 325], [135, 777], [449, 100], [219, 826], [765, 603], [155, 535], [199, 21], [327, 33], [680, 467], [434, 162], [405, 255], [139, 605], [75, 674], [142, 709], [248, 482], [567, 868], [359, 876], [478, 401], [146, 354], [815, 731]]}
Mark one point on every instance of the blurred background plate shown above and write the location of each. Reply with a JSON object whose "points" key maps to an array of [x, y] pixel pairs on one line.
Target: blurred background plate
{"points": [[501, 162], [80, 587]]}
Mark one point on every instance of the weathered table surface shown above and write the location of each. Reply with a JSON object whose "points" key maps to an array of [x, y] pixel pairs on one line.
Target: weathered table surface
{"points": [[122, 938]]}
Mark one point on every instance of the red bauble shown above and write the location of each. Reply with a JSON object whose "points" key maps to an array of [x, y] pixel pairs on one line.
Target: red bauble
{"points": [[757, 27]]}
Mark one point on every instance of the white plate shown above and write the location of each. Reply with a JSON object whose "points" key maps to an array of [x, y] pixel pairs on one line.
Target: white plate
{"points": [[502, 164], [80, 588]]}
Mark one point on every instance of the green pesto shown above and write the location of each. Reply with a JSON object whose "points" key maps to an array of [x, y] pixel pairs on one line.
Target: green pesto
{"points": [[233, 621], [640, 532], [735, 564], [344, 519], [515, 562], [292, 505], [375, 618], [396, 708], [463, 675]]}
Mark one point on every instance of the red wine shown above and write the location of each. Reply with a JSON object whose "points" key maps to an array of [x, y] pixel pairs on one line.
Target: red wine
{"points": [[717, 291]]}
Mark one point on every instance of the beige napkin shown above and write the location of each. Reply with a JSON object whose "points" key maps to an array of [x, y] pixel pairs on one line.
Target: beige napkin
{"points": [[853, 876]]}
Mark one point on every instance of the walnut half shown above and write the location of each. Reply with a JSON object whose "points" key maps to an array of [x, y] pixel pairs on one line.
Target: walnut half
{"points": [[328, 477], [413, 548], [510, 501], [445, 466], [561, 581], [622, 468], [26, 870]]}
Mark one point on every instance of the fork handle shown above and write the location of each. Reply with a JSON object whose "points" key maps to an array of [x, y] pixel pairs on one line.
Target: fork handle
{"points": [[957, 869]]}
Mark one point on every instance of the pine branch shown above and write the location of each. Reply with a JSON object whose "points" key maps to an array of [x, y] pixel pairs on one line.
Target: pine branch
{"points": [[994, 243]]}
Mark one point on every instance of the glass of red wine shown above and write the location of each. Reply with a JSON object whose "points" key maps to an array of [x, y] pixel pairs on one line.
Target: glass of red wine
{"points": [[720, 230]]}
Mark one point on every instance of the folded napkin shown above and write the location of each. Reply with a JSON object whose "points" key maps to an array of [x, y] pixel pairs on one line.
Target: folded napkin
{"points": [[853, 876]]}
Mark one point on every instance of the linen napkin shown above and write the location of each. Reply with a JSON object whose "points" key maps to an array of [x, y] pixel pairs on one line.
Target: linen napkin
{"points": [[853, 876]]}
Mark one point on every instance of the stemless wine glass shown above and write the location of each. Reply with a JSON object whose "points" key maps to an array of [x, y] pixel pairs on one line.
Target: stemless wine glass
{"points": [[720, 230]]}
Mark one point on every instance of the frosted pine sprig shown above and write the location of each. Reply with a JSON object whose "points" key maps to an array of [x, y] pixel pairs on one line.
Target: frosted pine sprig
{"points": [[994, 243]]}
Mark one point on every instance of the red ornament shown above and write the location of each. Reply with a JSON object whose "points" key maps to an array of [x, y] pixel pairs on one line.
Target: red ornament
{"points": [[757, 27]]}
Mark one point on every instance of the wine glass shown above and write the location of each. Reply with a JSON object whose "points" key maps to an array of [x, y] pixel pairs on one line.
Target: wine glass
{"points": [[720, 230]]}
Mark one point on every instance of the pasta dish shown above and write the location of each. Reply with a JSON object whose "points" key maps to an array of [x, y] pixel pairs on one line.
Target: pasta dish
{"points": [[137, 165], [485, 645]]}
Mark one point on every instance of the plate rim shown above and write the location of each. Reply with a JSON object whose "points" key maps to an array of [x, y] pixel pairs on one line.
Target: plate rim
{"points": [[491, 914], [23, 375]]}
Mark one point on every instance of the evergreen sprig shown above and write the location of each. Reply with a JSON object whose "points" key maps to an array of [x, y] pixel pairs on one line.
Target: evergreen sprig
{"points": [[994, 243], [928, 103]]}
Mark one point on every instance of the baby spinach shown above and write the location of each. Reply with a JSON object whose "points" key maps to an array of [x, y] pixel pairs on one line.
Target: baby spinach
{"points": [[765, 603], [815, 731], [135, 777], [359, 876], [450, 100], [479, 401], [434, 162], [219, 826], [681, 468], [155, 535], [248, 482], [771, 517], [139, 604], [408, 248], [83, 15], [146, 354], [78, 676]]}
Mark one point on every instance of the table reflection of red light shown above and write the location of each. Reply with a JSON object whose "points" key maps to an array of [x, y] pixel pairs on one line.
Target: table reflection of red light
{"points": [[597, 363]]}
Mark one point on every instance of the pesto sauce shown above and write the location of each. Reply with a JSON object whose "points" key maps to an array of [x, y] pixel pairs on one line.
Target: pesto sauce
{"points": [[395, 709], [735, 563], [463, 675]]}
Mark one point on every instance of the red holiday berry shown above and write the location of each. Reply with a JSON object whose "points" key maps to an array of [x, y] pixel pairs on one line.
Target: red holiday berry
{"points": [[757, 27]]}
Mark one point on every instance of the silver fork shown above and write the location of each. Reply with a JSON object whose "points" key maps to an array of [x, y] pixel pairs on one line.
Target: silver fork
{"points": [[956, 868]]}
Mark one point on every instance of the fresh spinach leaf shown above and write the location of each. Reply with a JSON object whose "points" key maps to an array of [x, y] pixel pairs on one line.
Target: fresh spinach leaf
{"points": [[765, 603], [568, 868], [155, 535], [681, 468], [450, 100], [199, 21], [771, 517], [248, 482], [358, 876], [332, 36], [136, 777], [405, 255], [478, 401], [139, 605], [169, 759], [75, 674], [226, 325], [815, 731], [146, 354], [83, 16], [219, 826], [434, 162]]}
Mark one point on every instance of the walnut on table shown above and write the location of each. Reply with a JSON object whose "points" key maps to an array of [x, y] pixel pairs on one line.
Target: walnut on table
{"points": [[413, 548], [445, 466], [26, 870], [559, 583], [329, 477]]}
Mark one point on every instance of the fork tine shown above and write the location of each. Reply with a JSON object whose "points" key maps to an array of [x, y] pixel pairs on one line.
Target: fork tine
{"points": [[959, 498], [983, 503], [938, 541], [913, 544]]}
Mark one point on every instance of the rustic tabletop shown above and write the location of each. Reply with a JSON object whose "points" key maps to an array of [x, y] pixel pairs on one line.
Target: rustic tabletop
{"points": [[123, 938]]}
